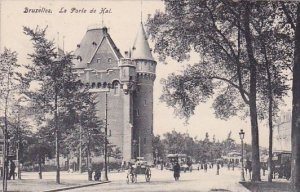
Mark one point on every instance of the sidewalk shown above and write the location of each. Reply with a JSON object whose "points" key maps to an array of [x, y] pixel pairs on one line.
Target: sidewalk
{"points": [[227, 180], [31, 182], [277, 185]]}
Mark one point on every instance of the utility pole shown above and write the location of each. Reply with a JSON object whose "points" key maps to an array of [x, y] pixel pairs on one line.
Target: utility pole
{"points": [[80, 146], [105, 140], [57, 137], [18, 144]]}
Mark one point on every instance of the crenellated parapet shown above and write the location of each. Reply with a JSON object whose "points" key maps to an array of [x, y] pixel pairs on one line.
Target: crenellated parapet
{"points": [[115, 85], [144, 75]]}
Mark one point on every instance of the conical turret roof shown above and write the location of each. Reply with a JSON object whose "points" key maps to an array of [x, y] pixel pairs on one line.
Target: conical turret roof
{"points": [[141, 48]]}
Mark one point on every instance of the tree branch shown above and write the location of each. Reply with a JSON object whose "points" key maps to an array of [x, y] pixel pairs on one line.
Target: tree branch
{"points": [[235, 86], [288, 16], [220, 33]]}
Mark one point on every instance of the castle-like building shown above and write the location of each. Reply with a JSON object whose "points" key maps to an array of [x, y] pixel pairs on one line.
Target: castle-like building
{"points": [[124, 88]]}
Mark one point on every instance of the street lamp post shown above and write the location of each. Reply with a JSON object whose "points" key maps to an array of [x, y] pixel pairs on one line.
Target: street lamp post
{"points": [[242, 135]]}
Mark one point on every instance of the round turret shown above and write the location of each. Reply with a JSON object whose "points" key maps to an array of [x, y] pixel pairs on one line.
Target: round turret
{"points": [[143, 96]]}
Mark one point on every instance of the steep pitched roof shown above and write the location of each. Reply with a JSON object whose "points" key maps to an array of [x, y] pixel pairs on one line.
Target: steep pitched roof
{"points": [[141, 48], [89, 44]]}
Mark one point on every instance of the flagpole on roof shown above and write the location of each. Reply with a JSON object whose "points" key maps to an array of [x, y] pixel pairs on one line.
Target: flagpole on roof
{"points": [[141, 11], [102, 20]]}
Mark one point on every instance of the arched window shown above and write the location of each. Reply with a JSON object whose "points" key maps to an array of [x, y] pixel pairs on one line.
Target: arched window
{"points": [[116, 87]]}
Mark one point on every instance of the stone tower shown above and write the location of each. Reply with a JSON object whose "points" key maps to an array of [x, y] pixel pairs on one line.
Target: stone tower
{"points": [[124, 88], [143, 95]]}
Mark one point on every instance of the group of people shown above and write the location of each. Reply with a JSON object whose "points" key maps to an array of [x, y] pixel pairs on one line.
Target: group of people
{"points": [[97, 174]]}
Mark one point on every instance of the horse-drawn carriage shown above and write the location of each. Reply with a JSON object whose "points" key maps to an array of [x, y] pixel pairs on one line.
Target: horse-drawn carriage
{"points": [[138, 168]]}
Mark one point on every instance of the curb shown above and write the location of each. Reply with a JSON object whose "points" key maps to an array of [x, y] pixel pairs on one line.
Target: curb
{"points": [[77, 186], [243, 184]]}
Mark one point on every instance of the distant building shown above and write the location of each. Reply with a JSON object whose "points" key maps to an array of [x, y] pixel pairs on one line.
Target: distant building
{"points": [[282, 132], [232, 156], [124, 86]]}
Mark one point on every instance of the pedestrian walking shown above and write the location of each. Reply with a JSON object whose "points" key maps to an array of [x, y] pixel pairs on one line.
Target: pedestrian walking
{"points": [[249, 167], [12, 168], [176, 169], [205, 167], [90, 174], [218, 168]]}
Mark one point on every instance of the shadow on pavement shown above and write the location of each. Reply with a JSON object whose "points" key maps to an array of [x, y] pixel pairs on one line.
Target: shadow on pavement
{"points": [[219, 190], [265, 186], [158, 182]]}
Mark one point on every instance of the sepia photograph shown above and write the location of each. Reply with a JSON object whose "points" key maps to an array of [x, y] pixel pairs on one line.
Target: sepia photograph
{"points": [[150, 95]]}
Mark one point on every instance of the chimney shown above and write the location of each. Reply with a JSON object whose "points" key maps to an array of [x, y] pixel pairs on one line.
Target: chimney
{"points": [[104, 29]]}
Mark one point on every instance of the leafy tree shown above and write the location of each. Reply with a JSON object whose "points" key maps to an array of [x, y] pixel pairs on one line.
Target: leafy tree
{"points": [[9, 77], [59, 93], [38, 152], [174, 142], [87, 135], [227, 35], [159, 146], [19, 132]]}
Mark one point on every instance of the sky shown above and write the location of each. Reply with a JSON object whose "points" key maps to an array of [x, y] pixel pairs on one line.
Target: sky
{"points": [[67, 23]]}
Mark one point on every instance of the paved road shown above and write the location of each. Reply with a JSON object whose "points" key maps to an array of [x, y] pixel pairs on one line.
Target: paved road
{"points": [[162, 181]]}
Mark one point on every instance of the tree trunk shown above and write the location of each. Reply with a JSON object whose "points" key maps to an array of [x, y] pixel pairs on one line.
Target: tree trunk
{"points": [[252, 95], [296, 110], [56, 138], [270, 97], [80, 147], [89, 166], [40, 168], [270, 162]]}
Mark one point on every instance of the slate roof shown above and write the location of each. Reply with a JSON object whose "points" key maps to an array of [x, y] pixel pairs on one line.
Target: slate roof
{"points": [[89, 44], [141, 48]]}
